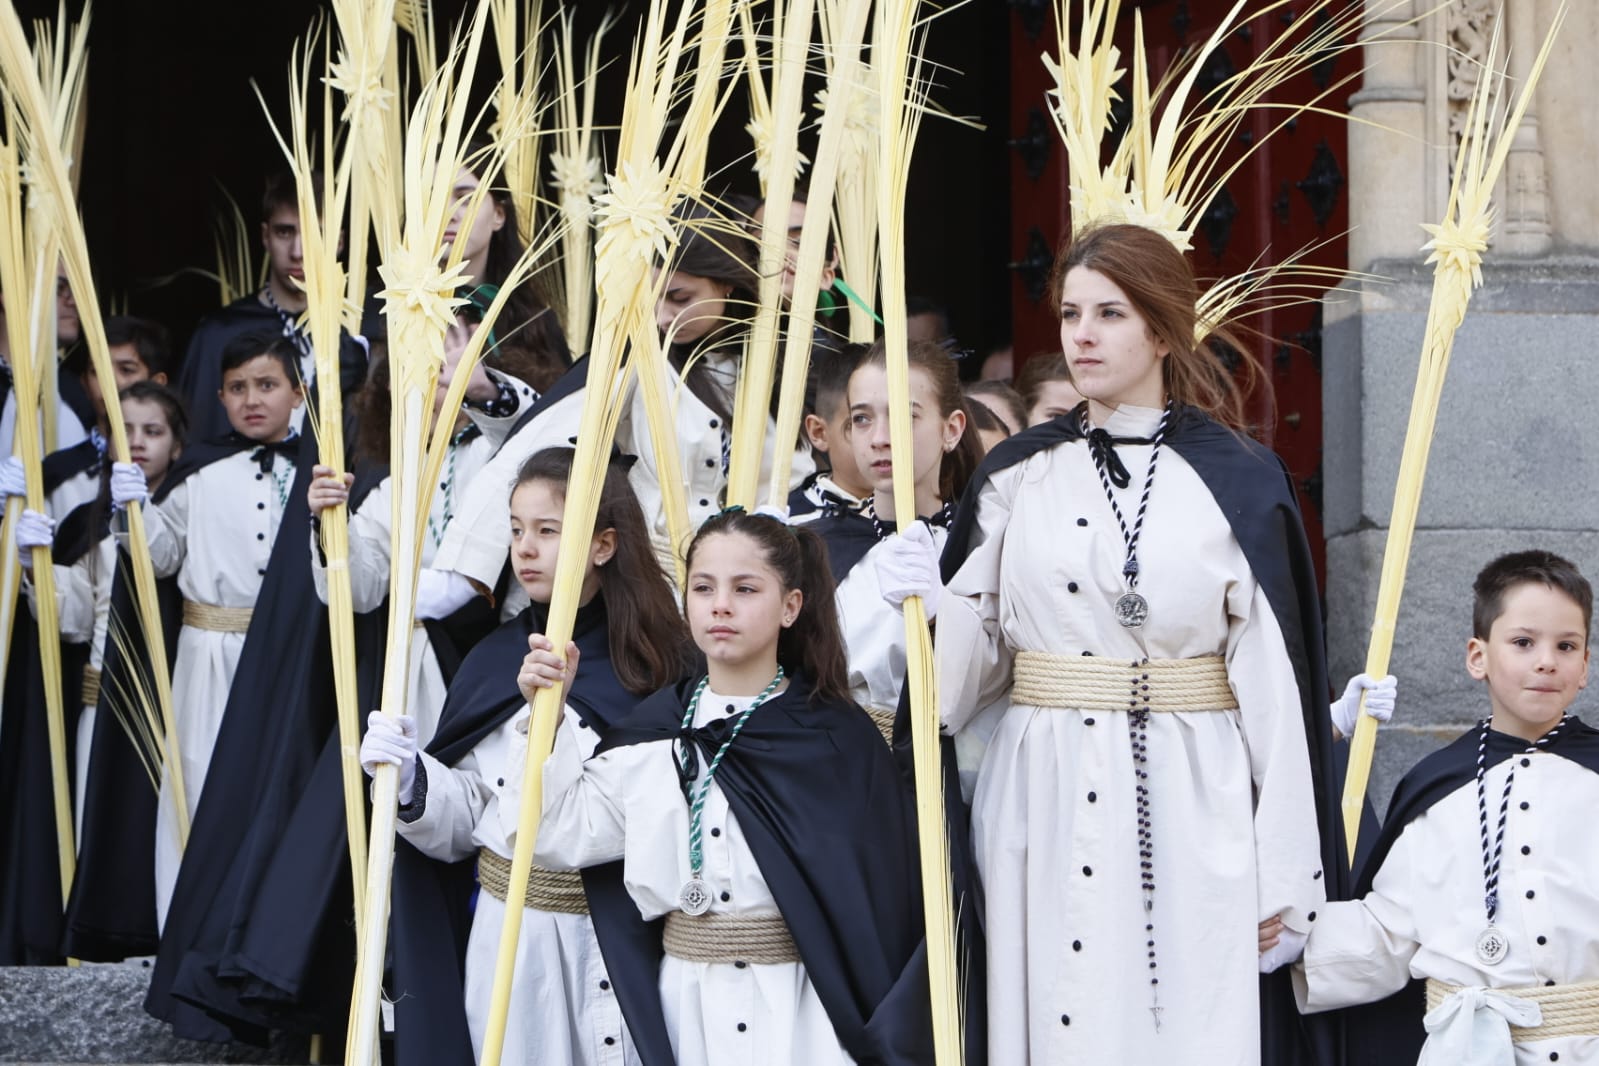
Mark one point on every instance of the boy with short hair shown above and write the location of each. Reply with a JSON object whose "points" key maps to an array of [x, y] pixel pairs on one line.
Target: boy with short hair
{"points": [[838, 483], [214, 528], [1485, 879]]}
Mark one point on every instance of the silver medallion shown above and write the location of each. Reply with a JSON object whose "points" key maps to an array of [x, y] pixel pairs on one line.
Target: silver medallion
{"points": [[1132, 610], [1492, 946], [695, 899]]}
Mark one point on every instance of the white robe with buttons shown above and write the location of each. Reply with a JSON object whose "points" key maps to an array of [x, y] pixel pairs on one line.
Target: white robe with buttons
{"points": [[1425, 909], [626, 804], [699, 445], [215, 531], [1054, 815], [563, 1009]]}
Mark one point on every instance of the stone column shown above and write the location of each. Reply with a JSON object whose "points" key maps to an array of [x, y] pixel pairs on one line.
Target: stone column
{"points": [[1515, 459]]}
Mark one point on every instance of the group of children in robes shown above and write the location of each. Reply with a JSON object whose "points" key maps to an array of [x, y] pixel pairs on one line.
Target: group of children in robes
{"points": [[1132, 679]]}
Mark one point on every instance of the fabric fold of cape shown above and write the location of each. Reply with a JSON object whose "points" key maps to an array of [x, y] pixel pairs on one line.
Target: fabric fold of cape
{"points": [[833, 828], [431, 914], [1254, 490]]}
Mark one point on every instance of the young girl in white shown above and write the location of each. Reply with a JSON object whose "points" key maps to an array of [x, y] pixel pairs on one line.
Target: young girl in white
{"points": [[756, 810]]}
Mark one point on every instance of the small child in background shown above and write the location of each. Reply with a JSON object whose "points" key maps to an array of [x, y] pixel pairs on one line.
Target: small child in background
{"points": [[1045, 386], [838, 482]]}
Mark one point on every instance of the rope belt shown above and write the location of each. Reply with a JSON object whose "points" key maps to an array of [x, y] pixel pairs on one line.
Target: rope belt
{"points": [[883, 719], [91, 687], [556, 891], [1568, 1010], [217, 619], [1097, 683], [761, 938]]}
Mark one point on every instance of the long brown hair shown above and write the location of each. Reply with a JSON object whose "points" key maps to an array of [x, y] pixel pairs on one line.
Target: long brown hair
{"points": [[711, 245], [649, 642], [1159, 283], [960, 462], [814, 644]]}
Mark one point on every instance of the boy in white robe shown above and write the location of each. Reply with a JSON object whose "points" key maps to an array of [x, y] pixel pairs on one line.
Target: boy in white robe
{"points": [[1485, 882], [215, 530]]}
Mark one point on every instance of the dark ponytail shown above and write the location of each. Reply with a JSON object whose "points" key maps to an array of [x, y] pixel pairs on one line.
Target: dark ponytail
{"points": [[813, 645]]}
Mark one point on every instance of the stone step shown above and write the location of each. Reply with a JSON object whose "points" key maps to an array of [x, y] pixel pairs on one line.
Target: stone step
{"points": [[60, 1015]]}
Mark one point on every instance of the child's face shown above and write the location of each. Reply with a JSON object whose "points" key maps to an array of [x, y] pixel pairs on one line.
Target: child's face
{"points": [[150, 441], [736, 603], [259, 399], [537, 508], [828, 431], [932, 434], [690, 307], [1535, 660], [128, 368], [280, 234]]}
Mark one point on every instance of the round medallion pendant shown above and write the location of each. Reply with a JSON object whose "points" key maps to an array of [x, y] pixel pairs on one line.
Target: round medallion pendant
{"points": [[1492, 946], [1132, 610], [695, 899]]}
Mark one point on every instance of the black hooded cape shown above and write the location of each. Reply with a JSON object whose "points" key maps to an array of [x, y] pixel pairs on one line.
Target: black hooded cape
{"points": [[432, 901], [849, 535], [1390, 1030], [1254, 490], [833, 828]]}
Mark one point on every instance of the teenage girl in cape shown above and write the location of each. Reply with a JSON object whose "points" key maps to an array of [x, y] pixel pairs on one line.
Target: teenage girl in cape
{"points": [[461, 797], [755, 809]]}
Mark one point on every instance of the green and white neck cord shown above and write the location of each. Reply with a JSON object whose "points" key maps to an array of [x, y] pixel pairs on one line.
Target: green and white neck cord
{"points": [[695, 898]]}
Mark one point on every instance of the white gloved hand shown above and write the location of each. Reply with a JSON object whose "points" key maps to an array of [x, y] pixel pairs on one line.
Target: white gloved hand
{"points": [[34, 530], [392, 741], [12, 480], [440, 593], [1290, 946], [128, 485], [1380, 696], [907, 565]]}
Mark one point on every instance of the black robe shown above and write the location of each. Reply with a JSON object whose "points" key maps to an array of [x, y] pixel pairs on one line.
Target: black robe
{"points": [[801, 770], [1253, 489], [432, 901], [200, 377], [1390, 1030]]}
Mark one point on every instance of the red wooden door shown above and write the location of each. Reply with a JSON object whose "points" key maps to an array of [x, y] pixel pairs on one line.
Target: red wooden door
{"points": [[1289, 194]]}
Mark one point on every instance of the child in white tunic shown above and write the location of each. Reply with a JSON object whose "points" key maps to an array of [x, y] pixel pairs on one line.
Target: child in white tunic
{"points": [[563, 1007], [215, 530], [1485, 880], [698, 824], [476, 435], [156, 425]]}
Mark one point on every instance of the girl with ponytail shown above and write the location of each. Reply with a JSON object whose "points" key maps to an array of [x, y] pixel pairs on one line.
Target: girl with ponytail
{"points": [[753, 807], [862, 550]]}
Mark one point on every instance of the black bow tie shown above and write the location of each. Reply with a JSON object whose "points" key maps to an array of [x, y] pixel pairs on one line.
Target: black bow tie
{"points": [[1101, 445], [288, 447]]}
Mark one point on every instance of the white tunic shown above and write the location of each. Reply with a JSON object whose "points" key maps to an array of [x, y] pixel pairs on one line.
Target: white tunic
{"points": [[215, 531], [370, 545], [626, 804], [69, 430], [874, 633], [478, 538], [1054, 815], [563, 1008], [699, 444], [1425, 909]]}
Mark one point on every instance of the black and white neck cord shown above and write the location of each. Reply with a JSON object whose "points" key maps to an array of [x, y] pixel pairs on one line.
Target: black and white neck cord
{"points": [[945, 515], [1132, 610]]}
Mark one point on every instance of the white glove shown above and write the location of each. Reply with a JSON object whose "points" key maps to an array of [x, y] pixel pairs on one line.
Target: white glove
{"points": [[1290, 946], [907, 565], [1380, 696], [34, 530], [12, 481], [128, 485], [392, 741], [440, 593]]}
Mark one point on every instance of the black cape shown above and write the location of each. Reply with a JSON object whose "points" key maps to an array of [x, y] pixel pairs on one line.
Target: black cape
{"points": [[1390, 1030], [849, 535], [800, 770], [200, 378], [1254, 490], [432, 901]]}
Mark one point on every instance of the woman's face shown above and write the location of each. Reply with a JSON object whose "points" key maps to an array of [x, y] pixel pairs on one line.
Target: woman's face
{"points": [[490, 219], [1114, 358], [690, 307], [932, 434]]}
